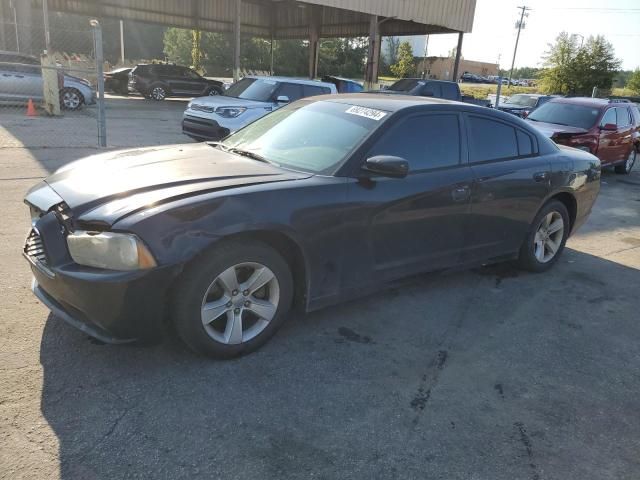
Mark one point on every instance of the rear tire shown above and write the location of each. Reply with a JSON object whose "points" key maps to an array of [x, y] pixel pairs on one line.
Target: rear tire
{"points": [[216, 310], [627, 166], [213, 91], [546, 238], [71, 99]]}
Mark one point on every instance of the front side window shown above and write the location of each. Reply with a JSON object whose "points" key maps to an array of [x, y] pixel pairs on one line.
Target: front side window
{"points": [[312, 90], [313, 137], [408, 85], [426, 142], [567, 114], [293, 91], [521, 101], [449, 91], [491, 140], [258, 89], [609, 117]]}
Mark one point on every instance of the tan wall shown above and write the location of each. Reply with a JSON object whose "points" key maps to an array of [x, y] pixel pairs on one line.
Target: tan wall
{"points": [[441, 68]]}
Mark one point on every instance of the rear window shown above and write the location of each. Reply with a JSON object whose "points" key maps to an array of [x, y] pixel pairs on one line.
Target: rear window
{"points": [[623, 117], [568, 114], [311, 90], [408, 85]]}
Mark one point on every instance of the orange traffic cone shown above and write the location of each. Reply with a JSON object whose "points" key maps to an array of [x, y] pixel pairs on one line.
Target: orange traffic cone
{"points": [[31, 109]]}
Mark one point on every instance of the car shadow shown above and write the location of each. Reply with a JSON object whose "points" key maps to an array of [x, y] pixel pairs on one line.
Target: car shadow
{"points": [[406, 383]]}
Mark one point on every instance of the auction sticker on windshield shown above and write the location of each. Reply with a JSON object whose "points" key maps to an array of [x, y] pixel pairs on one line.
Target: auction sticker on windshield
{"points": [[371, 113]]}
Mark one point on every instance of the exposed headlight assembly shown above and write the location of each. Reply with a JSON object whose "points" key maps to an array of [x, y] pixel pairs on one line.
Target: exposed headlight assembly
{"points": [[109, 250], [230, 112]]}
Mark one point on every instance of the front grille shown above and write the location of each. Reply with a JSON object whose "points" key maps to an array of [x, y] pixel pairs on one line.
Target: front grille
{"points": [[34, 248]]}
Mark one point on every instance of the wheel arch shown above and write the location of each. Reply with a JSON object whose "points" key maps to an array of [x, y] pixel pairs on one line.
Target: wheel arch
{"points": [[285, 245], [569, 201]]}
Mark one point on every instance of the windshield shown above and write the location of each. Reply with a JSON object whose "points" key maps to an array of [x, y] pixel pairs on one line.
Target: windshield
{"points": [[522, 101], [580, 116], [258, 89], [406, 85], [312, 137]]}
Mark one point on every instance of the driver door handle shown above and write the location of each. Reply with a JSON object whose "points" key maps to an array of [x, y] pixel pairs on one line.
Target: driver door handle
{"points": [[461, 193], [541, 176]]}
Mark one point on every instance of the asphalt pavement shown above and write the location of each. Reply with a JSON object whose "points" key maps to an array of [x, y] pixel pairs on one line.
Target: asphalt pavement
{"points": [[487, 374]]}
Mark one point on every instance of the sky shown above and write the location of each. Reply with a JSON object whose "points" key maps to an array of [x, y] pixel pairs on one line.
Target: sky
{"points": [[494, 31]]}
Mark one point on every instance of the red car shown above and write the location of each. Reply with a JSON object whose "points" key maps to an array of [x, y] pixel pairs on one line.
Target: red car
{"points": [[609, 129]]}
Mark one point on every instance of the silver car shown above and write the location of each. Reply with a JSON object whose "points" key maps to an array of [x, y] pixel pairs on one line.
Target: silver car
{"points": [[215, 117], [21, 79]]}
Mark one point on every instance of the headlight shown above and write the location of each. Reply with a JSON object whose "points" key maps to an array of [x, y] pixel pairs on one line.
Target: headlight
{"points": [[190, 103], [230, 112], [113, 251]]}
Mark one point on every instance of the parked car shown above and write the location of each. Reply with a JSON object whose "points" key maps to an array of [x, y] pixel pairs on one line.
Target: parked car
{"points": [[344, 85], [159, 81], [213, 118], [321, 201], [21, 80], [117, 81], [431, 88], [609, 129], [521, 104], [467, 77]]}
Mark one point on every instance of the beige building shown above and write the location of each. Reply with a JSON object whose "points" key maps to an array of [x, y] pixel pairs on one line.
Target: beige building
{"points": [[441, 68]]}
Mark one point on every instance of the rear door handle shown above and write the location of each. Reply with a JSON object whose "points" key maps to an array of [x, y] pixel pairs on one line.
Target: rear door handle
{"points": [[541, 176], [461, 193], [7, 75]]}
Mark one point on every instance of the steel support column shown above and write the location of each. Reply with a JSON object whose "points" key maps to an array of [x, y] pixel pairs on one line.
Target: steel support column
{"points": [[456, 65], [236, 42], [314, 40], [373, 54]]}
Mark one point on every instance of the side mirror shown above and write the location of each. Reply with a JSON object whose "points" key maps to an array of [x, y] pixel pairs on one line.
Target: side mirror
{"points": [[609, 127], [387, 166], [282, 99]]}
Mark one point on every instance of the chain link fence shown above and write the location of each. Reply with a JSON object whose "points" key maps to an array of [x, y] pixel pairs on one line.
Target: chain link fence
{"points": [[50, 100]]}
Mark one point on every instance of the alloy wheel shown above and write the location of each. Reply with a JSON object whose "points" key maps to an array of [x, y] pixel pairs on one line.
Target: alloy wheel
{"points": [[240, 303], [158, 93], [213, 92], [548, 237], [70, 99]]}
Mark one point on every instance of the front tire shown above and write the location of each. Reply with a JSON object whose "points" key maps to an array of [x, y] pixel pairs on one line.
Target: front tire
{"points": [[70, 99], [546, 238], [158, 93], [233, 299], [627, 166]]}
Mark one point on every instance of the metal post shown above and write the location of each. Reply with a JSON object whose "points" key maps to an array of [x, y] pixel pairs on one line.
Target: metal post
{"points": [[594, 92], [456, 65], [371, 72], [498, 92], [271, 47], [515, 49], [314, 43], [47, 34], [236, 43], [424, 56], [122, 41], [22, 13], [102, 120]]}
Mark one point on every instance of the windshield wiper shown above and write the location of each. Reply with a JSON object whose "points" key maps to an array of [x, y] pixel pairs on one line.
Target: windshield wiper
{"points": [[249, 154]]}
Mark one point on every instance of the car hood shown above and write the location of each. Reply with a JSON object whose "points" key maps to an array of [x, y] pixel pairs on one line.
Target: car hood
{"points": [[224, 101], [105, 188], [553, 129]]}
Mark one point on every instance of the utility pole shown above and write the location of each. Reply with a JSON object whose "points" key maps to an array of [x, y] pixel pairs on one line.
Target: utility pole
{"points": [[47, 34], [519, 25], [122, 42]]}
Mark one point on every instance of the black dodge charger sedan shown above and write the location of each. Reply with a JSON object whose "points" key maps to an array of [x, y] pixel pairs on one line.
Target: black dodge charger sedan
{"points": [[318, 202]]}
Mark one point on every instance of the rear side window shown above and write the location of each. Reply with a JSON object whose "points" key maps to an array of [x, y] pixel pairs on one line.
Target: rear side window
{"points": [[449, 91], [426, 142], [311, 90], [525, 143], [491, 140], [623, 117]]}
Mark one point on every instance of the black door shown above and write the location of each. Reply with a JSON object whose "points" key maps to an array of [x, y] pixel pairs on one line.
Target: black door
{"points": [[511, 181], [414, 223]]}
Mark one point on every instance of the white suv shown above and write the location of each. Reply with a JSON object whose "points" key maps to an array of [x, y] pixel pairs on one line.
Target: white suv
{"points": [[215, 117]]}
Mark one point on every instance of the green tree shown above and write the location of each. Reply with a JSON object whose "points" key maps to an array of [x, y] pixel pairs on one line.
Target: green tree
{"points": [[571, 69], [405, 66], [634, 82]]}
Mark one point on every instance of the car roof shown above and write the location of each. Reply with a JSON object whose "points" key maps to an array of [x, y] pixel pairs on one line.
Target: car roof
{"points": [[585, 101], [388, 102], [425, 80], [301, 81]]}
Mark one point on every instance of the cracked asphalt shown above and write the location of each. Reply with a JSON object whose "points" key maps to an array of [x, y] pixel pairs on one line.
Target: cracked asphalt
{"points": [[487, 374]]}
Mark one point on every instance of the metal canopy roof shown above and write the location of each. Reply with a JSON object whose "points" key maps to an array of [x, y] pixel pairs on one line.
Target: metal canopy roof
{"points": [[287, 19]]}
